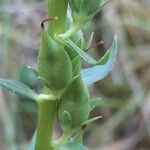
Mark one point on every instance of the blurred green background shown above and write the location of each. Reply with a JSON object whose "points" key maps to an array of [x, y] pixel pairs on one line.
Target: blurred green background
{"points": [[125, 93]]}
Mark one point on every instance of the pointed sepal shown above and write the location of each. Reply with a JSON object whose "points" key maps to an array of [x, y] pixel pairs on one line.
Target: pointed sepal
{"points": [[94, 103]]}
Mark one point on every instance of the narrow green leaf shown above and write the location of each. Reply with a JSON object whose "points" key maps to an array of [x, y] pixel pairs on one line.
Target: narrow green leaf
{"points": [[85, 56], [18, 88], [66, 119], [105, 58], [76, 65]]}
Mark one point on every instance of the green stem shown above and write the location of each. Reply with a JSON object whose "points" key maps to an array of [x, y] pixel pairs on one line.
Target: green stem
{"points": [[46, 118], [57, 8]]}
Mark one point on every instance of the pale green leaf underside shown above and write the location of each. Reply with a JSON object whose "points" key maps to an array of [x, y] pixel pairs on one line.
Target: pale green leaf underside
{"points": [[18, 88], [98, 72]]}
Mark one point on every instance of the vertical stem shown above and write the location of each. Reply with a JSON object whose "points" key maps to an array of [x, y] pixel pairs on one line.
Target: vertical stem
{"points": [[46, 118], [57, 8], [47, 108]]}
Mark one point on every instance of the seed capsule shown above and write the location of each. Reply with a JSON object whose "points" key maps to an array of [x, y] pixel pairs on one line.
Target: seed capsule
{"points": [[74, 104], [54, 64]]}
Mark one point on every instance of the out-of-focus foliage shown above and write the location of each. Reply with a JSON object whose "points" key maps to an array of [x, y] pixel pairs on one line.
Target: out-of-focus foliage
{"points": [[125, 94]]}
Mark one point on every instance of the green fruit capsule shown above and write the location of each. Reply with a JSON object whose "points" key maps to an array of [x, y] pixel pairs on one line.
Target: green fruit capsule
{"points": [[74, 104], [54, 64]]}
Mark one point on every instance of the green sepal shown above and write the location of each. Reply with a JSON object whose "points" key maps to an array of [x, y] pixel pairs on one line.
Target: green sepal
{"points": [[54, 64], [94, 103], [97, 8], [89, 42], [75, 100], [87, 57], [77, 37], [105, 58], [104, 2], [81, 43], [74, 5], [35, 72], [84, 10], [18, 88], [72, 54], [87, 7], [66, 120], [76, 65], [91, 120]]}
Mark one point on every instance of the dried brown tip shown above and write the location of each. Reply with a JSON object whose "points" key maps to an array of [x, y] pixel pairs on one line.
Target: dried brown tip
{"points": [[48, 19], [95, 45]]}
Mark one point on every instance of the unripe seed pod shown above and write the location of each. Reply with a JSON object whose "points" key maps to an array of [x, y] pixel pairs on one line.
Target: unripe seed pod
{"points": [[54, 64], [74, 104]]}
